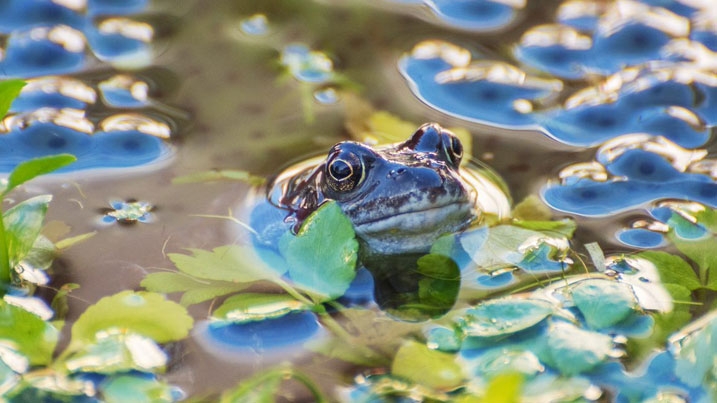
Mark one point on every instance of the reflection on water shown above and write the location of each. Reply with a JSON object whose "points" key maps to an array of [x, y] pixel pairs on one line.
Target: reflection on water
{"points": [[51, 44]]}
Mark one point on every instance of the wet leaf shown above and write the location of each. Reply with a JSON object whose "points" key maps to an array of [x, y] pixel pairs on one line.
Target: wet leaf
{"points": [[195, 290], [504, 388], [221, 174], [695, 355], [252, 307], [9, 90], [138, 389], [30, 335], [573, 350], [672, 269], [502, 317], [232, 263], [145, 313], [35, 167], [118, 352], [423, 366], [23, 223], [499, 361], [603, 303], [322, 256]]}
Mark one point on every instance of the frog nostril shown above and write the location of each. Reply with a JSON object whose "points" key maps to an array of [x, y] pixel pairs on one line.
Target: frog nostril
{"points": [[395, 173]]}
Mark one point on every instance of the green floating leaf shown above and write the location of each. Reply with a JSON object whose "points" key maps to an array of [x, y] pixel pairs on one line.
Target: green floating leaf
{"points": [[504, 388], [603, 303], [572, 350], [145, 313], [215, 175], [503, 317], [9, 90], [231, 263], [27, 333], [35, 167], [23, 223], [195, 290], [251, 307], [138, 389], [704, 253], [423, 366], [118, 352], [672, 269], [322, 256]]}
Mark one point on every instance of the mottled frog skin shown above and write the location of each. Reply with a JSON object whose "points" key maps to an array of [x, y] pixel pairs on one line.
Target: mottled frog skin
{"points": [[400, 198]]}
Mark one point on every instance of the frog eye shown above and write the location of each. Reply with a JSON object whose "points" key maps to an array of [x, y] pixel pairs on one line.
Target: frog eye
{"points": [[454, 149], [344, 171]]}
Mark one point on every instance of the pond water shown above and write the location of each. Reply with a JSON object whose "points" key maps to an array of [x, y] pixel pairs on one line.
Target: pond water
{"points": [[604, 110]]}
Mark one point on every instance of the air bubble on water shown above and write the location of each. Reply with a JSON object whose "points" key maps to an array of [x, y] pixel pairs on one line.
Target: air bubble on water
{"points": [[326, 96], [255, 25]]}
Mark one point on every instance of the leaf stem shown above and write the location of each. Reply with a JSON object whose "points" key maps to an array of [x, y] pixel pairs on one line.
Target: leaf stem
{"points": [[5, 276]]}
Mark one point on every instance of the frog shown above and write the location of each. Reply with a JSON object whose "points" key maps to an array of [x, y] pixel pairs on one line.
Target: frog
{"points": [[400, 198]]}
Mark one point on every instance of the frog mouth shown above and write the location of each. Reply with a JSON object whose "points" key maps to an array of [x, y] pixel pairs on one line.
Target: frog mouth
{"points": [[442, 218]]}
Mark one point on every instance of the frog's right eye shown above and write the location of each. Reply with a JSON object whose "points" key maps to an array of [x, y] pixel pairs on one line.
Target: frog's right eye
{"points": [[344, 171]]}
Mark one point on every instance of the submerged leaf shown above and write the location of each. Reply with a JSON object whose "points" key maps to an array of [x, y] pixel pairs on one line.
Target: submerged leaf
{"points": [[531, 208], [322, 256], [145, 313], [35, 167], [23, 223], [423, 366]]}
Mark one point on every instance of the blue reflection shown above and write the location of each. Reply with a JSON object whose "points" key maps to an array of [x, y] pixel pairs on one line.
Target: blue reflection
{"points": [[635, 56], [37, 52], [476, 15], [473, 14], [102, 150], [24, 14], [262, 336], [632, 44], [116, 7], [473, 99], [641, 238], [643, 177]]}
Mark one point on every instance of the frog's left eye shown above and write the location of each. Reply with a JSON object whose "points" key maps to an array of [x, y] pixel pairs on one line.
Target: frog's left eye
{"points": [[454, 149], [344, 171]]}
